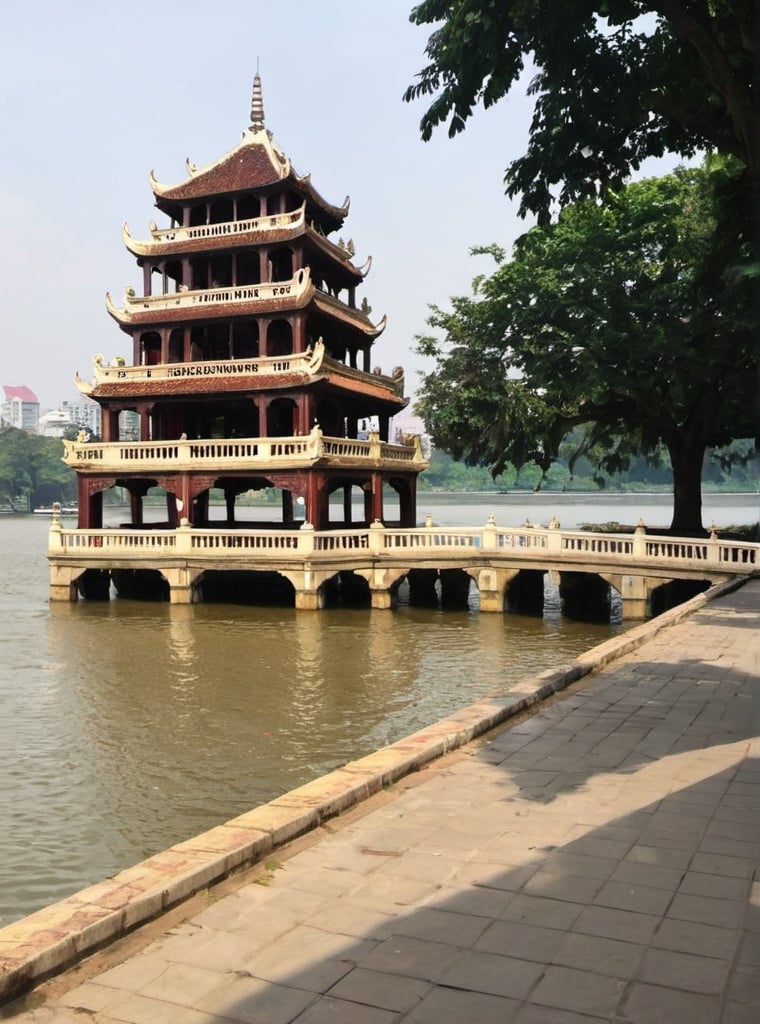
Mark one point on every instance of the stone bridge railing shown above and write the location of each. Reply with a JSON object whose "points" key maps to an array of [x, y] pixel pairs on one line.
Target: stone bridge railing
{"points": [[634, 564], [526, 543]]}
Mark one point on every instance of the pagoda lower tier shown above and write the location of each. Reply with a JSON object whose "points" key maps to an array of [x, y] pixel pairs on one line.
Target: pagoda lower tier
{"points": [[306, 469]]}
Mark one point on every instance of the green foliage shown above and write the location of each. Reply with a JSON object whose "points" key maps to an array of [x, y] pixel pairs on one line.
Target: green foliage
{"points": [[615, 321], [31, 470], [614, 82]]}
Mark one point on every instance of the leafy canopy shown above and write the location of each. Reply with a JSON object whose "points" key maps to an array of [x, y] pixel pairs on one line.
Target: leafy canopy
{"points": [[610, 318], [614, 81], [31, 470]]}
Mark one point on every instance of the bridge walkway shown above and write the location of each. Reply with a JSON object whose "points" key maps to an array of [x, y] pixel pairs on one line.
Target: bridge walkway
{"points": [[595, 861]]}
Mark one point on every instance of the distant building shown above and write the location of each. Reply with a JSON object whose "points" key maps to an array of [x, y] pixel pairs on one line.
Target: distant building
{"points": [[54, 423], [406, 425], [83, 414], [19, 408]]}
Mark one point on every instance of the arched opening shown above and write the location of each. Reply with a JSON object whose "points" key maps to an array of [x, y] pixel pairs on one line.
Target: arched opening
{"points": [[224, 586], [198, 274], [248, 268], [173, 272], [676, 592], [221, 270], [585, 597], [248, 207], [280, 338], [177, 345], [197, 215], [94, 585], [221, 211], [525, 593], [346, 504], [346, 590], [140, 584], [455, 588], [150, 348], [245, 340], [210, 342], [329, 418], [129, 425], [281, 418], [281, 263]]}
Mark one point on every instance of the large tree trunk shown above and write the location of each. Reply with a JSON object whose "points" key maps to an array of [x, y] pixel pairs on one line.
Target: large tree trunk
{"points": [[687, 454]]}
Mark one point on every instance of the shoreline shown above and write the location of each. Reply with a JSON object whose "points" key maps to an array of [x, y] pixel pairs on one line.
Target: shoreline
{"points": [[60, 935]]}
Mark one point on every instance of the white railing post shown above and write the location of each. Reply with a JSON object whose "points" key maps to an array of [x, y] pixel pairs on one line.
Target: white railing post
{"points": [[306, 539], [713, 546], [639, 540], [490, 533], [376, 539], [183, 544], [554, 537], [375, 447], [55, 535]]}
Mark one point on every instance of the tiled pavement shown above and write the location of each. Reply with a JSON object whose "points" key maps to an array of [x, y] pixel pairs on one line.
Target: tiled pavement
{"points": [[594, 862]]}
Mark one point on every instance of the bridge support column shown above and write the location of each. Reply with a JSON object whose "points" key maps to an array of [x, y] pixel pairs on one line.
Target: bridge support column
{"points": [[635, 593], [380, 582], [307, 584], [492, 586], [63, 583], [182, 588]]}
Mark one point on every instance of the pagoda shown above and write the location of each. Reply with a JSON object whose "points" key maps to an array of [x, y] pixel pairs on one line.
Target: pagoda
{"points": [[251, 361]]}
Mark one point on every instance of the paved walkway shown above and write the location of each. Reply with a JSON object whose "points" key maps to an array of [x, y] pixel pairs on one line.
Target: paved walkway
{"points": [[594, 862]]}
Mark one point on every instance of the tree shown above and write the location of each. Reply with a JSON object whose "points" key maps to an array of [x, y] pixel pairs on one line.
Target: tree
{"points": [[612, 319], [31, 470], [615, 81]]}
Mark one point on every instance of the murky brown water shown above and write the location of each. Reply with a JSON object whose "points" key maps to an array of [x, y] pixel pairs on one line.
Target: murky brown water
{"points": [[125, 727]]}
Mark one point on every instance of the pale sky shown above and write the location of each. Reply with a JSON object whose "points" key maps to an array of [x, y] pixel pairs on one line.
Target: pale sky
{"points": [[93, 94]]}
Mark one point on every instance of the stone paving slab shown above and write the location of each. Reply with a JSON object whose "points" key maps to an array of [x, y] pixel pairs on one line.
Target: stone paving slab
{"points": [[596, 861]]}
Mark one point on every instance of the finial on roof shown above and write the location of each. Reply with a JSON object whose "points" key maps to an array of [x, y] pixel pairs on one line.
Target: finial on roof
{"points": [[257, 104]]}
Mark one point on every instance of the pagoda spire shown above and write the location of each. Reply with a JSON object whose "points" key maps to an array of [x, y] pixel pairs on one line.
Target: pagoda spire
{"points": [[257, 105]]}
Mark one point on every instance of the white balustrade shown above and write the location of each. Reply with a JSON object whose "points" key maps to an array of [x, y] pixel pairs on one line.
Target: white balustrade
{"points": [[229, 453], [274, 222], [611, 552], [301, 362]]}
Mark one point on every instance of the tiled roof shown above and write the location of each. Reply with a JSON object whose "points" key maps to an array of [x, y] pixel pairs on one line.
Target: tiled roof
{"points": [[20, 392]]}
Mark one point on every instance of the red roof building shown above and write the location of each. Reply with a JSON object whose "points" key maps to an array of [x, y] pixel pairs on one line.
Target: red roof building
{"points": [[19, 408]]}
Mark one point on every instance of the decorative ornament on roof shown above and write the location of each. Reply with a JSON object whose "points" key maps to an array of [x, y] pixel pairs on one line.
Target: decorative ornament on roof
{"points": [[257, 106]]}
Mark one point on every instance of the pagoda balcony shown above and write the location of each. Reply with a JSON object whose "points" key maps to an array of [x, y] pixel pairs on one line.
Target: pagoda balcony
{"points": [[182, 305], [250, 455], [255, 230], [278, 227], [311, 363]]}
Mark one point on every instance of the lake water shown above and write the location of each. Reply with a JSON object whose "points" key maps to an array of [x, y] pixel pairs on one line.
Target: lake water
{"points": [[128, 726]]}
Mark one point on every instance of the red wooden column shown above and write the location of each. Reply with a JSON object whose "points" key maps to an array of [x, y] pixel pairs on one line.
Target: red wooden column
{"points": [[299, 332], [263, 410], [377, 497]]}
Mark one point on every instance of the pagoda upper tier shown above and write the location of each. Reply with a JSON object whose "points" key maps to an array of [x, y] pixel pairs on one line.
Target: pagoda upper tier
{"points": [[255, 163]]}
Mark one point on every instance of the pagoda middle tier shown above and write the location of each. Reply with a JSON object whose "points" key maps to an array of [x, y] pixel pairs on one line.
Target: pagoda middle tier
{"points": [[247, 328]]}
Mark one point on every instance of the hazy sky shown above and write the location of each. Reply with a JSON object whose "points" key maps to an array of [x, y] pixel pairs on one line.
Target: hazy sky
{"points": [[94, 94]]}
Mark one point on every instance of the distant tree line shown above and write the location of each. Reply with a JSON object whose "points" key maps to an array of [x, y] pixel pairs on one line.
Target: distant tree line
{"points": [[31, 471], [736, 467]]}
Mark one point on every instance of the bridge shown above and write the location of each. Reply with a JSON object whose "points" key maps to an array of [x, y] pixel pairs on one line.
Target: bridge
{"points": [[494, 557]]}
